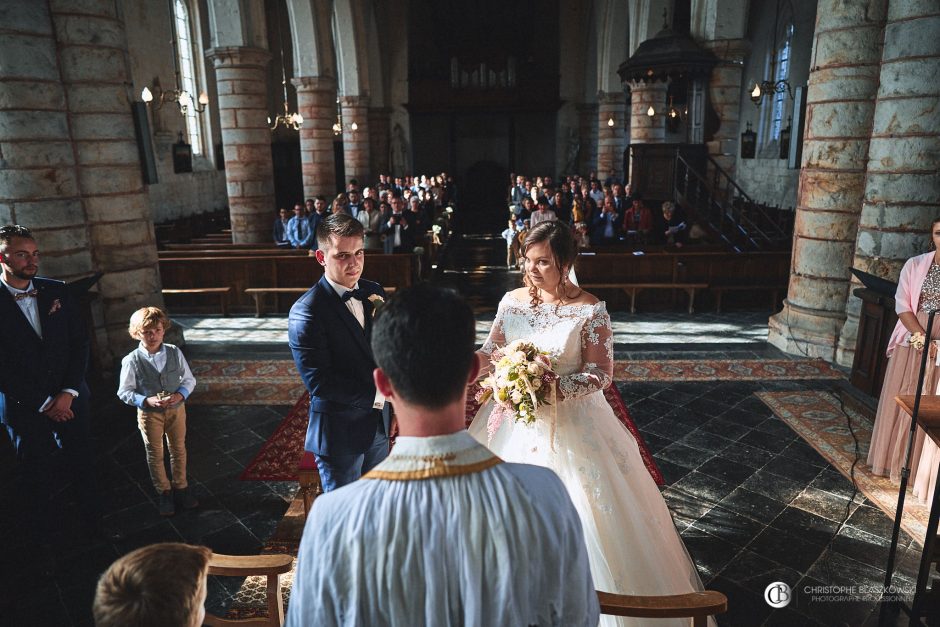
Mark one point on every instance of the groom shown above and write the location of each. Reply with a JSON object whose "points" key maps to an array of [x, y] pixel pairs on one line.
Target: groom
{"points": [[328, 330]]}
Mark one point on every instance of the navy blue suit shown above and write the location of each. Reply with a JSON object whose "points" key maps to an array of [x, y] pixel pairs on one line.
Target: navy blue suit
{"points": [[334, 358], [33, 369]]}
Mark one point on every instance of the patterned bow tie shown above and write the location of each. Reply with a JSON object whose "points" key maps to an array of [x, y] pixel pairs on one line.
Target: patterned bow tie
{"points": [[29, 294], [356, 293]]}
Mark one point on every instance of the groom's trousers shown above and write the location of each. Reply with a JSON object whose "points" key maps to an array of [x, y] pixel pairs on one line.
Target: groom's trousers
{"points": [[339, 470]]}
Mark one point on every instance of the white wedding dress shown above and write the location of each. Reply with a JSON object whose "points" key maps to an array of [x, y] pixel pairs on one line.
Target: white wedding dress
{"points": [[632, 542]]}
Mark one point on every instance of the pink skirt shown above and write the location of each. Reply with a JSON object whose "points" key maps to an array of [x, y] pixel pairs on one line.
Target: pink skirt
{"points": [[892, 425]]}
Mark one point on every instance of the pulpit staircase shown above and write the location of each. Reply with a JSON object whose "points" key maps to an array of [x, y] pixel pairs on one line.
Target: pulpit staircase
{"points": [[732, 216]]}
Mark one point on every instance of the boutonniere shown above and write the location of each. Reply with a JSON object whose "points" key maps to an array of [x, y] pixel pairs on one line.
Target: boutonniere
{"points": [[56, 306], [377, 303]]}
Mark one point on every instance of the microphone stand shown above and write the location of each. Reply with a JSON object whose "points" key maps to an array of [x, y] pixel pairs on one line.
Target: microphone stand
{"points": [[906, 470]]}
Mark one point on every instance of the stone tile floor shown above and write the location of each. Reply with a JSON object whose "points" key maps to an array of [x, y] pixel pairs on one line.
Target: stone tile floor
{"points": [[753, 502]]}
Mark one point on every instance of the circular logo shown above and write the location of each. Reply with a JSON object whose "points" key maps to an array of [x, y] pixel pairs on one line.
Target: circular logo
{"points": [[777, 595]]}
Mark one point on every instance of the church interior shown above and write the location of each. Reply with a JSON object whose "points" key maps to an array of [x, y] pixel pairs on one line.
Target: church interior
{"points": [[725, 165]]}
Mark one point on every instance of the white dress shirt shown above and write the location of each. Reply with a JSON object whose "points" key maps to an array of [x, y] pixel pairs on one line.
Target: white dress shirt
{"points": [[442, 532], [29, 306], [127, 389]]}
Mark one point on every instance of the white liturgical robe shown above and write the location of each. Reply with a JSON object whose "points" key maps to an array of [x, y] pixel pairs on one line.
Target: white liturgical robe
{"points": [[443, 532]]}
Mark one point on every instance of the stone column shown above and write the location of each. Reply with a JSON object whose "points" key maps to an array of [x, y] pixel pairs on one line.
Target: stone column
{"points": [[72, 173], [316, 102], [246, 139], [840, 106], [356, 141], [724, 94], [643, 128], [902, 192], [379, 134], [587, 132], [610, 139]]}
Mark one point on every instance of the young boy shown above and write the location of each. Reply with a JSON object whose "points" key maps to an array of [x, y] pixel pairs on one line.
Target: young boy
{"points": [[512, 246], [154, 586], [156, 379]]}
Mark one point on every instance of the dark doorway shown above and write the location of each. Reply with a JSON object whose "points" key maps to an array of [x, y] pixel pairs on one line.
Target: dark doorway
{"points": [[483, 204], [288, 177]]}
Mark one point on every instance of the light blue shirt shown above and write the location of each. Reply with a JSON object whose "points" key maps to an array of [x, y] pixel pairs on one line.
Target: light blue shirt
{"points": [[299, 233]]}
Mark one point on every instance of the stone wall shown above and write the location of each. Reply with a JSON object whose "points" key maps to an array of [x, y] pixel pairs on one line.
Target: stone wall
{"points": [[768, 180], [150, 55]]}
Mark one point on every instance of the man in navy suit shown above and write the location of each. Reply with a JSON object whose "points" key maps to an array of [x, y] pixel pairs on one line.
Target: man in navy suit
{"points": [[329, 329], [43, 357]]}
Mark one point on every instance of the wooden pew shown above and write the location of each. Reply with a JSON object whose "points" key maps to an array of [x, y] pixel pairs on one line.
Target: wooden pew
{"points": [[692, 272], [226, 252], [221, 292], [276, 271]]}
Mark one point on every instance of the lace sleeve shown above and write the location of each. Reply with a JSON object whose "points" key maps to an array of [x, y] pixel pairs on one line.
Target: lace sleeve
{"points": [[496, 339], [597, 357]]}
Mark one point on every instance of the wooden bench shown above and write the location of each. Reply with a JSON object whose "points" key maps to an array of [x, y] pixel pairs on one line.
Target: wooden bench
{"points": [[720, 289], [633, 288], [221, 292], [259, 294]]}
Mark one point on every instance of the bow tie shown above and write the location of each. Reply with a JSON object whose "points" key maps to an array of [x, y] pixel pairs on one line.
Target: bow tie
{"points": [[31, 293], [358, 293]]}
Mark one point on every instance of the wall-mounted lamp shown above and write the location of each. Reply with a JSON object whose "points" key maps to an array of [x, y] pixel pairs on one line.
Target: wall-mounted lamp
{"points": [[610, 121], [354, 127], [180, 96], [768, 86], [651, 111]]}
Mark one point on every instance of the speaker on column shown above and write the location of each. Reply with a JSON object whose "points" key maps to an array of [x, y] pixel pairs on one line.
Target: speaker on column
{"points": [[148, 166]]}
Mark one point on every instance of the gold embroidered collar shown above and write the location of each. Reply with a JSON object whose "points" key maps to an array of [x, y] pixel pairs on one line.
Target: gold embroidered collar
{"points": [[415, 459]]}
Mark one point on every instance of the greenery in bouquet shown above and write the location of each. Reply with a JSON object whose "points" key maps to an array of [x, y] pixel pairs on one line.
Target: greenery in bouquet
{"points": [[522, 381]]}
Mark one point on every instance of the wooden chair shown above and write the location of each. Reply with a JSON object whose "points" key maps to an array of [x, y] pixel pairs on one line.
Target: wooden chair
{"points": [[696, 605], [270, 566]]}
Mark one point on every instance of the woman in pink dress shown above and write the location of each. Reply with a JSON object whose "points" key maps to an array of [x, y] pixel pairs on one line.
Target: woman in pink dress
{"points": [[918, 294]]}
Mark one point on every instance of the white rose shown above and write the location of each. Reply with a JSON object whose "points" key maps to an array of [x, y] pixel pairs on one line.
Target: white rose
{"points": [[516, 396], [536, 384], [534, 369], [518, 357]]}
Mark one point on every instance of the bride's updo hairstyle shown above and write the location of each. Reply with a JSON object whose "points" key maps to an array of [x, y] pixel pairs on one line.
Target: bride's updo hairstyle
{"points": [[564, 252]]}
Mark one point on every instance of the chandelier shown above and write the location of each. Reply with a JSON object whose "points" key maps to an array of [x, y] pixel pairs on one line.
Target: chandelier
{"points": [[179, 96], [289, 120], [767, 86], [182, 98], [338, 124]]}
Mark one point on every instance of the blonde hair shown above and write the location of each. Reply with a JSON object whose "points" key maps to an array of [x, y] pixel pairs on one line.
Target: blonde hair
{"points": [[147, 318], [155, 586]]}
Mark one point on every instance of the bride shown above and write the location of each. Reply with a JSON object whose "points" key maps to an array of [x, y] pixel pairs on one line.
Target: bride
{"points": [[632, 542]]}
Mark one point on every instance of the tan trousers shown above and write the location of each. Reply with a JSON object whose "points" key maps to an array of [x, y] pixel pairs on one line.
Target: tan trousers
{"points": [[153, 425]]}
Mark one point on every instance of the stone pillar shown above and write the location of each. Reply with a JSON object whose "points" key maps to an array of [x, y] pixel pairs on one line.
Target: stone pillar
{"points": [[611, 139], [840, 106], [356, 141], [246, 139], [316, 102], [643, 128], [73, 174], [379, 134], [724, 94], [587, 132], [902, 192]]}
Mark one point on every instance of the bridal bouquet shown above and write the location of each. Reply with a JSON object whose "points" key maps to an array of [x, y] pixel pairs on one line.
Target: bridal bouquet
{"points": [[520, 383]]}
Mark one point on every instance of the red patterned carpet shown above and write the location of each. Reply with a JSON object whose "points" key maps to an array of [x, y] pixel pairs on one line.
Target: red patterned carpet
{"points": [[278, 458]]}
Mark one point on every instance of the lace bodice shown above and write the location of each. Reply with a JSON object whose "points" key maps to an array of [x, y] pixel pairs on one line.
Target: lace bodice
{"points": [[578, 338]]}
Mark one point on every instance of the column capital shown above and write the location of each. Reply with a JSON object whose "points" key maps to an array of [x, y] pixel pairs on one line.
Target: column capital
{"points": [[354, 100], [647, 86], [238, 56], [314, 83]]}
